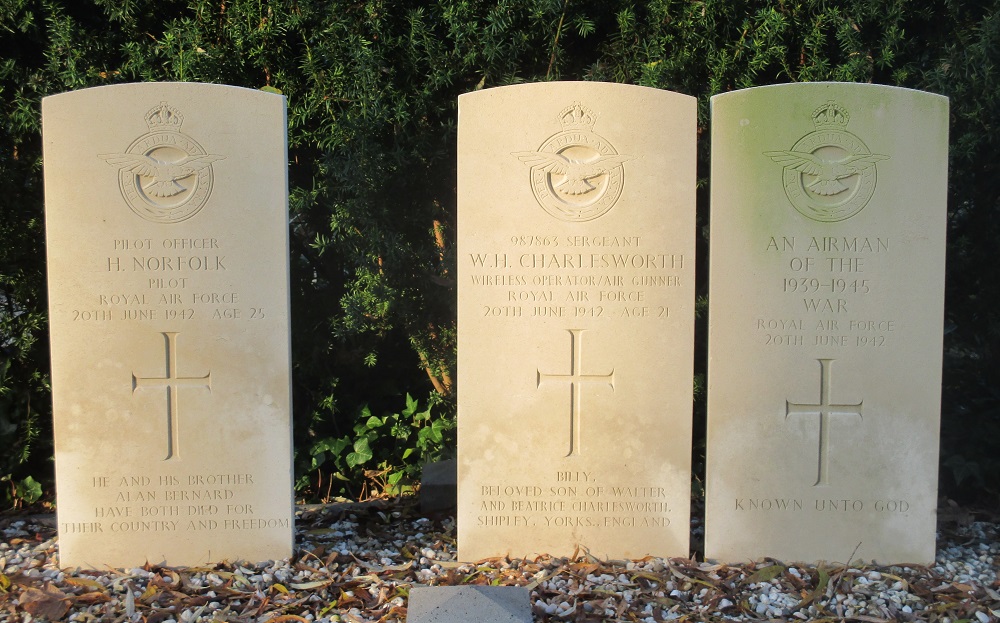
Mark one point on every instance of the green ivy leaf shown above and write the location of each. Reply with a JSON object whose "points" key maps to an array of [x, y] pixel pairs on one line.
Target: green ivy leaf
{"points": [[429, 435], [29, 490], [422, 416], [411, 406], [329, 444], [362, 453]]}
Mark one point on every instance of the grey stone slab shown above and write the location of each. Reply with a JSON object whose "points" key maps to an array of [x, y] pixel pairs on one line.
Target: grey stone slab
{"points": [[465, 604], [826, 305], [438, 486], [167, 241]]}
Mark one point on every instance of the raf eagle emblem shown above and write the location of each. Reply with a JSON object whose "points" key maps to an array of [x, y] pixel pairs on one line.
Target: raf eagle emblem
{"points": [[164, 174], [828, 173], [577, 174]]}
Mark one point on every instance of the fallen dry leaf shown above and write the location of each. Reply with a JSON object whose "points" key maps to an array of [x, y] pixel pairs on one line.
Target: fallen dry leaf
{"points": [[49, 602]]}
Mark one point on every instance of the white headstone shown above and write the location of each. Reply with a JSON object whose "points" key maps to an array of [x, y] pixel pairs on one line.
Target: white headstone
{"points": [[826, 311], [576, 295], [167, 240]]}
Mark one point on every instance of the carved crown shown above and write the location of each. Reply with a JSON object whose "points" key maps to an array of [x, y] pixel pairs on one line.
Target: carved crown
{"points": [[577, 116], [164, 117], [830, 115]]}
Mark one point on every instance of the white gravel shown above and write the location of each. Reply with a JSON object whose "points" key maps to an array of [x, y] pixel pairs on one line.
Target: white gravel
{"points": [[356, 563]]}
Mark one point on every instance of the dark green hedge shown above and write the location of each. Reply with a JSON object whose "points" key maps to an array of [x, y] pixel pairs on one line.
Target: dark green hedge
{"points": [[372, 90]]}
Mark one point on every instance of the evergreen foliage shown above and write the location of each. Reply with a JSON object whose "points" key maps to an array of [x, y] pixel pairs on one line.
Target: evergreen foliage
{"points": [[372, 88]]}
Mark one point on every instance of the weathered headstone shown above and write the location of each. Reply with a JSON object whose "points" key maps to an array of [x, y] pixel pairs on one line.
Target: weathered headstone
{"points": [[166, 224], [576, 294], [462, 604], [826, 310]]}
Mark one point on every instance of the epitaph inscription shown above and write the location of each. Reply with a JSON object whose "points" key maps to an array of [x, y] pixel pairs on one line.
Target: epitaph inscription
{"points": [[575, 320], [168, 294], [827, 259]]}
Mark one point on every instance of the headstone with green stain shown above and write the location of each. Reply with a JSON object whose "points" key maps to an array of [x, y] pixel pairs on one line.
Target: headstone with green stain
{"points": [[825, 323]]}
